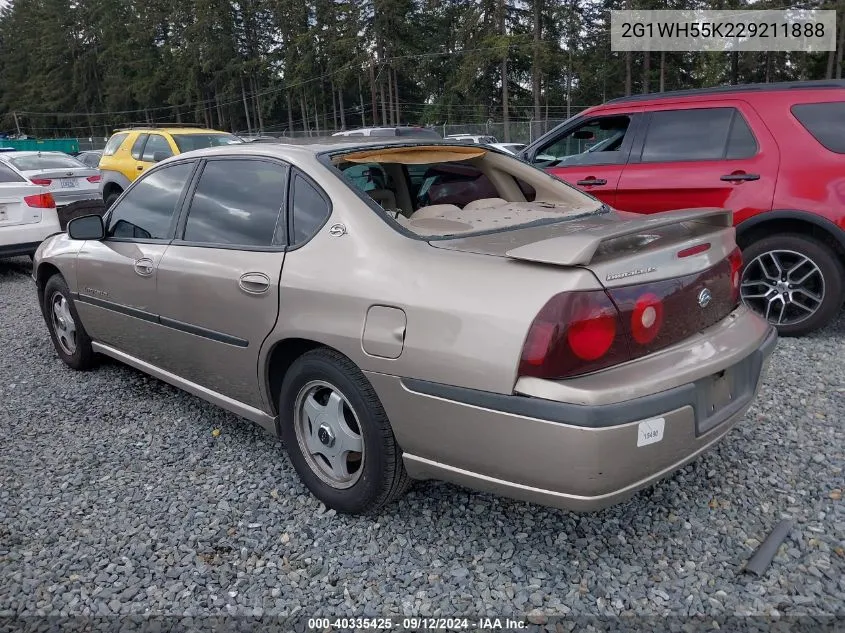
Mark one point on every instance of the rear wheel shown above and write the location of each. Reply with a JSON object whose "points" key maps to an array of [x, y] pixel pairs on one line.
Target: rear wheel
{"points": [[794, 281], [338, 436], [69, 337]]}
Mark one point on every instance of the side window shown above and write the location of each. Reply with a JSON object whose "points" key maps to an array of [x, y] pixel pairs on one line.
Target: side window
{"points": [[825, 121], [155, 143], [138, 146], [147, 209], [7, 174], [308, 210], [698, 134], [593, 142], [238, 202], [114, 143]]}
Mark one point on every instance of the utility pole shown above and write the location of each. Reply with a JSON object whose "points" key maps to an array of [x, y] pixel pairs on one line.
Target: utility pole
{"points": [[361, 97], [17, 123]]}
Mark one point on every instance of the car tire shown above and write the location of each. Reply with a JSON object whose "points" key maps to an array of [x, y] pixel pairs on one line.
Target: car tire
{"points": [[70, 339], [827, 280], [324, 378], [110, 199]]}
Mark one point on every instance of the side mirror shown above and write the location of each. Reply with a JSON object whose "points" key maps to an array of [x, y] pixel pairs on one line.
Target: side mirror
{"points": [[87, 227], [160, 156]]}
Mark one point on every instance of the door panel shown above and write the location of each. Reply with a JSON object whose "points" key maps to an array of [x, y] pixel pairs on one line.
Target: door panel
{"points": [[599, 181], [744, 184], [117, 295], [217, 306]]}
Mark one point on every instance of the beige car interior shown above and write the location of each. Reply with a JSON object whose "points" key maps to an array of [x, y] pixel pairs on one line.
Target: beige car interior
{"points": [[553, 199]]}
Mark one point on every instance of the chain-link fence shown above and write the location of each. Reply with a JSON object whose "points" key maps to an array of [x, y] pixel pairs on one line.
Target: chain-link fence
{"points": [[518, 131]]}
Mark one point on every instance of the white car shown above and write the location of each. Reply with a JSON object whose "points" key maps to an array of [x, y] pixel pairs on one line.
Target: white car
{"points": [[401, 130], [510, 148], [68, 179], [478, 139], [27, 214]]}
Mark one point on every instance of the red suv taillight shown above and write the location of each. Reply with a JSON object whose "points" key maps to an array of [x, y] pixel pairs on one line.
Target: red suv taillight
{"points": [[579, 332], [45, 182], [735, 259], [40, 201]]}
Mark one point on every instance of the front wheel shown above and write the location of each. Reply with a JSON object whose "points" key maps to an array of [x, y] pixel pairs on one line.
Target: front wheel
{"points": [[69, 337], [338, 436], [794, 281]]}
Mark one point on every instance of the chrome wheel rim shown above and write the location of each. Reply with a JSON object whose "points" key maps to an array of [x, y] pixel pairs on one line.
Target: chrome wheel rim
{"points": [[329, 434], [783, 286], [63, 324]]}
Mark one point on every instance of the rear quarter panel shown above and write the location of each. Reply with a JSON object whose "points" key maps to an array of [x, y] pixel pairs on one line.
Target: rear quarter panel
{"points": [[467, 314]]}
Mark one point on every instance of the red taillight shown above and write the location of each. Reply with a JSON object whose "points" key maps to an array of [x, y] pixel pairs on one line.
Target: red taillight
{"points": [[41, 201], [646, 318], [574, 333], [41, 181], [93, 178], [735, 259]]}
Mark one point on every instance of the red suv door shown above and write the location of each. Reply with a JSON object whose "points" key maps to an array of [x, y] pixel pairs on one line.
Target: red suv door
{"points": [[701, 156], [590, 153]]}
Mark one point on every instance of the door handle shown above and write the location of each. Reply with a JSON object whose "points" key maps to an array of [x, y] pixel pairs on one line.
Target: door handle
{"points": [[592, 181], [144, 266], [739, 177], [140, 168], [254, 283]]}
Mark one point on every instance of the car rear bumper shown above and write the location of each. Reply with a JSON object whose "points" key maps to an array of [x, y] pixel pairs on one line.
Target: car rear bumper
{"points": [[23, 239], [560, 454]]}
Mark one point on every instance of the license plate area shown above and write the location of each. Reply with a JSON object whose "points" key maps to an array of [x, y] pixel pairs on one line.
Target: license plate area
{"points": [[720, 395], [68, 183]]}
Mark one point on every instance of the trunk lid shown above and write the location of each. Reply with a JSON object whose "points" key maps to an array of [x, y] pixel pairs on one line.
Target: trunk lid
{"points": [[13, 210], [65, 180], [669, 275]]}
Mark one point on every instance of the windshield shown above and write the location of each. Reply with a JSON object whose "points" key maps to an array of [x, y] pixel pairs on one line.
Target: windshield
{"points": [[437, 191], [189, 142], [46, 161]]}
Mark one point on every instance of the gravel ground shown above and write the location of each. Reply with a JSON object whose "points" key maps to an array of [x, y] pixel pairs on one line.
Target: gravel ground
{"points": [[116, 497]]}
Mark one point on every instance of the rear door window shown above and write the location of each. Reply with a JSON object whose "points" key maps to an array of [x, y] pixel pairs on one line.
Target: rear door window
{"points": [[825, 121], [155, 143], [697, 134], [238, 203]]}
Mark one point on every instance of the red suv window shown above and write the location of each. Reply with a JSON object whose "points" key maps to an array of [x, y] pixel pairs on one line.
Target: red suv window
{"points": [[697, 134], [825, 121]]}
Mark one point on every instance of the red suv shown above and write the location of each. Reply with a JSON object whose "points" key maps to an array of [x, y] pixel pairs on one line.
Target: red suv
{"points": [[772, 153]]}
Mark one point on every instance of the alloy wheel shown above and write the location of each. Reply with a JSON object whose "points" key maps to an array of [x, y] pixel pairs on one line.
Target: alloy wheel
{"points": [[783, 286]]}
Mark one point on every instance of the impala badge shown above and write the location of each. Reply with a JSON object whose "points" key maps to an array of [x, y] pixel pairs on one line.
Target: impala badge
{"points": [[704, 297], [337, 230]]}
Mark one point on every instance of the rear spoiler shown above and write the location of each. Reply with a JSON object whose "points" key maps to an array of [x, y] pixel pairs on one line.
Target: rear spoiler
{"points": [[580, 247]]}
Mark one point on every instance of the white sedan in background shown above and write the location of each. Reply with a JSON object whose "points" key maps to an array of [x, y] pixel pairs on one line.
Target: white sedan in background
{"points": [[510, 148], [27, 213], [66, 178]]}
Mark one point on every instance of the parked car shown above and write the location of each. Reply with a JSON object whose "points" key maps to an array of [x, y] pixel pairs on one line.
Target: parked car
{"points": [[90, 157], [774, 154], [66, 178], [478, 139], [534, 343], [129, 152], [510, 148], [27, 213], [416, 132]]}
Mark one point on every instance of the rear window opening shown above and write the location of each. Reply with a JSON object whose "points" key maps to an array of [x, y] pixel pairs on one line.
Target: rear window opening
{"points": [[46, 161], [455, 190]]}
